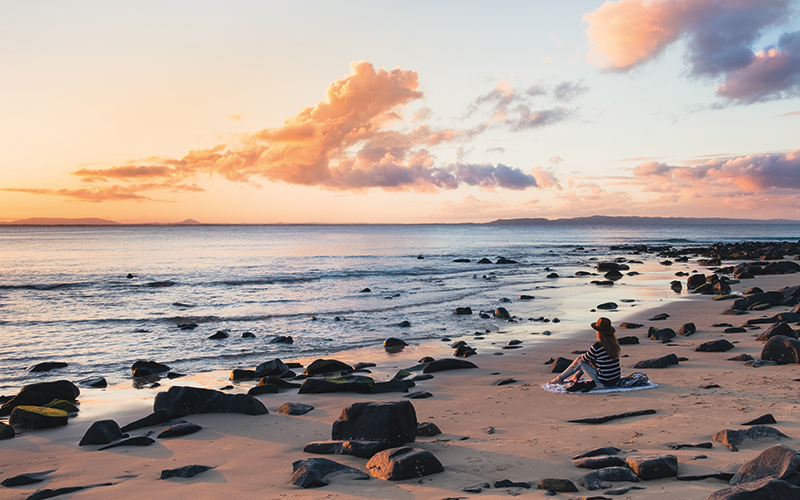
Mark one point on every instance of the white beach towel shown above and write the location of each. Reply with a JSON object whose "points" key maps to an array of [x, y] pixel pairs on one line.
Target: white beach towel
{"points": [[560, 389]]}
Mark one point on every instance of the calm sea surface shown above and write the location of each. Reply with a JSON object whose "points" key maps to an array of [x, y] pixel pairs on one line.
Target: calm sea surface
{"points": [[65, 294]]}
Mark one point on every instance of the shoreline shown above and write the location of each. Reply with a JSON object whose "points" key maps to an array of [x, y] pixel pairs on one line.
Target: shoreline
{"points": [[252, 456]]}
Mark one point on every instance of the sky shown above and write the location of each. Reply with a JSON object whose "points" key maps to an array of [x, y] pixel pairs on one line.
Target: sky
{"points": [[399, 112]]}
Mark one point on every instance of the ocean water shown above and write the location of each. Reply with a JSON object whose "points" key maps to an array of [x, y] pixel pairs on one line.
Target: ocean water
{"points": [[65, 294]]}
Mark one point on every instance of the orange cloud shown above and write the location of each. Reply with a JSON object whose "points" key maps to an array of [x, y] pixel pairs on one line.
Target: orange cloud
{"points": [[354, 139]]}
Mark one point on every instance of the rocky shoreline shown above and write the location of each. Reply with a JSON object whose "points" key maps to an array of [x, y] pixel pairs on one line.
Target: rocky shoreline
{"points": [[430, 424]]}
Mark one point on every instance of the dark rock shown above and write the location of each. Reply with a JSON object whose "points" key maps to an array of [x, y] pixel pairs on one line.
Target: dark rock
{"points": [[653, 466], [476, 488], [239, 374], [40, 394], [663, 335], [394, 343], [753, 290], [622, 491], [6, 431], [394, 422], [181, 429], [719, 345], [503, 260], [722, 476], [294, 408], [613, 275], [734, 329], [630, 340], [278, 382], [780, 328], [263, 389], [391, 386], [68, 406], [219, 335], [505, 381], [553, 275], [102, 432], [156, 418], [687, 329], [36, 417], [768, 298], [180, 401], [768, 488], [316, 472], [690, 445], [557, 485], [361, 449], [741, 357], [662, 362], [783, 350], [607, 450], [282, 339], [186, 472], [419, 395], [134, 441], [47, 366], [50, 493], [776, 461], [447, 364], [404, 324], [594, 480], [462, 311], [526, 297], [27, 478], [464, 351], [560, 365], [599, 462], [695, 281], [148, 368], [349, 383], [428, 429], [366, 290], [607, 266], [274, 367], [762, 420], [608, 418], [507, 483], [734, 438], [248, 335], [659, 317], [320, 366], [502, 313], [396, 464], [607, 306], [95, 382]]}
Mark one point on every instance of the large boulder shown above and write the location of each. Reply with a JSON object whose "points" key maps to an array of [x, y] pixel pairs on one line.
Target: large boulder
{"points": [[396, 464], [40, 394], [394, 422], [779, 328], [719, 345], [440, 365], [180, 401], [781, 349], [47, 366], [350, 383], [776, 461], [274, 367], [695, 280], [316, 472], [768, 488], [148, 368], [36, 417], [6, 431], [733, 438], [653, 466], [662, 362], [102, 432], [320, 366]]}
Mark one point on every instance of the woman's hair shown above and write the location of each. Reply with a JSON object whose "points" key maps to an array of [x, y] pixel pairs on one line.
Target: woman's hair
{"points": [[610, 344]]}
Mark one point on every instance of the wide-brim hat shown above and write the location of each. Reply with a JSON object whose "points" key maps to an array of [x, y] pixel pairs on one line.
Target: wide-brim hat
{"points": [[603, 325]]}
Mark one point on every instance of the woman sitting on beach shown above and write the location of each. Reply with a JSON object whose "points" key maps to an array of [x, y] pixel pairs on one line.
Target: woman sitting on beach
{"points": [[600, 365]]}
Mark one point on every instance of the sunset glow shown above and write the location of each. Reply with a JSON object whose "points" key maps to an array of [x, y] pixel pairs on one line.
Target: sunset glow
{"points": [[399, 113]]}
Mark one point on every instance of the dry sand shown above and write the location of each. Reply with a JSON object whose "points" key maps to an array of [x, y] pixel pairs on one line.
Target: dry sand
{"points": [[532, 440]]}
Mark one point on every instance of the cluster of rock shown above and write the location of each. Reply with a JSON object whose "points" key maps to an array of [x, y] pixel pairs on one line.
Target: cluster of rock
{"points": [[750, 250], [40, 406], [375, 431], [773, 474]]}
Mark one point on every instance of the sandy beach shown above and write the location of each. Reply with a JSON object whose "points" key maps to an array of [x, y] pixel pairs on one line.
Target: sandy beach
{"points": [[489, 433]]}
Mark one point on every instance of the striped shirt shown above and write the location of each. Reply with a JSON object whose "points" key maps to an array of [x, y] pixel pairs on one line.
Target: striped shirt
{"points": [[608, 370]]}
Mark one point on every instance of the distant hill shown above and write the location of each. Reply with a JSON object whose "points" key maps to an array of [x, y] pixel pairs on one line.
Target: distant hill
{"points": [[58, 221], [625, 220]]}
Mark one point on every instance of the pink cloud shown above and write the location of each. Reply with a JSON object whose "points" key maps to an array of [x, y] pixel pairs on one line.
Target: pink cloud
{"points": [[719, 37]]}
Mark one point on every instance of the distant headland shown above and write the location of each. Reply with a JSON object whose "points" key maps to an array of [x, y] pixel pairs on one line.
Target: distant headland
{"points": [[597, 220]]}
